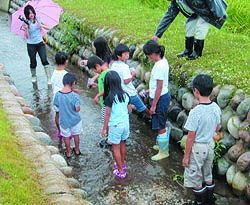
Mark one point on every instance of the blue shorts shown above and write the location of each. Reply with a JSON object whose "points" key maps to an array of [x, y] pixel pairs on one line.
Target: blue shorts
{"points": [[137, 102], [161, 112], [118, 132]]}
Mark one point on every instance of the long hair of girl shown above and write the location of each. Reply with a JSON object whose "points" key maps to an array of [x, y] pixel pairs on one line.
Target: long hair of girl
{"points": [[112, 87]]}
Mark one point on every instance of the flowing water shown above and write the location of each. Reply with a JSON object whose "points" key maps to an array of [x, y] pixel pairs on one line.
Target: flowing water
{"points": [[147, 182]]}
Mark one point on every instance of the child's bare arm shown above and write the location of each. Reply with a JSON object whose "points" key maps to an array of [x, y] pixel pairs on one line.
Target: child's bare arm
{"points": [[129, 108], [106, 120], [79, 92], [78, 108], [188, 148], [97, 97]]}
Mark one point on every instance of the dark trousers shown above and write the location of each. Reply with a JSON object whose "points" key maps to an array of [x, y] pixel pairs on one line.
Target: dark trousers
{"points": [[33, 49]]}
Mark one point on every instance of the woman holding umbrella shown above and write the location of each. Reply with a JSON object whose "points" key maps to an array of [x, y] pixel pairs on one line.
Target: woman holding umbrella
{"points": [[33, 32]]}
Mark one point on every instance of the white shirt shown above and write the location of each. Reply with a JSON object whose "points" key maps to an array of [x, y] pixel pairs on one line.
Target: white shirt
{"points": [[160, 71], [57, 80], [124, 72]]}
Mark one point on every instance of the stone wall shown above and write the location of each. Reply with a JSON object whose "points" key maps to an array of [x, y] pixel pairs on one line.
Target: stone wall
{"points": [[235, 104]]}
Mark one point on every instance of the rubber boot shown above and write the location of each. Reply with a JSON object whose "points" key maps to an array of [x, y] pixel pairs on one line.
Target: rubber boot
{"points": [[200, 197], [156, 146], [189, 42], [210, 194], [169, 127], [163, 144], [48, 74], [198, 47], [33, 75]]}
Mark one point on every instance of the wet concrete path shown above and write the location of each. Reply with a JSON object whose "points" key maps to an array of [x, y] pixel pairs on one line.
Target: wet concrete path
{"points": [[147, 182]]}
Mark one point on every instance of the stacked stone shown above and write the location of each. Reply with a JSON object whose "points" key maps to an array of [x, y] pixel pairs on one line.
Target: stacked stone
{"points": [[55, 175]]}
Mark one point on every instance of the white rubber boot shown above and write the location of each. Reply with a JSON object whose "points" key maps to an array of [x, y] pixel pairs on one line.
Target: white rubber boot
{"points": [[33, 75], [48, 74]]}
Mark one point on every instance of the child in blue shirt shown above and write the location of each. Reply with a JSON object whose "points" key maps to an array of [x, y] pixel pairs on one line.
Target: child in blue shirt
{"points": [[116, 121], [68, 102]]}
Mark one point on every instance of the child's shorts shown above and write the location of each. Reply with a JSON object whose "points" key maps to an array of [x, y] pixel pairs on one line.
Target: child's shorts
{"points": [[75, 130], [161, 112], [137, 102], [200, 165], [118, 132]]}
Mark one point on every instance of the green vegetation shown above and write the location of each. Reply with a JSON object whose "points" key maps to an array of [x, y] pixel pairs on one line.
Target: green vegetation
{"points": [[18, 181], [225, 54], [219, 147]]}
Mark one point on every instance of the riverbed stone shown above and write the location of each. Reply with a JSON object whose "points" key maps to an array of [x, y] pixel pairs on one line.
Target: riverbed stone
{"points": [[73, 183], [226, 114], [80, 193], [59, 160], [21, 101], [180, 94], [247, 191], [239, 184], [235, 152], [52, 149], [181, 118], [187, 101], [67, 171], [223, 165], [237, 99], [38, 129], [244, 133], [243, 162], [176, 133], [215, 93], [174, 111], [228, 140], [233, 125], [34, 120], [44, 138], [243, 109], [232, 170], [225, 95], [27, 110]]}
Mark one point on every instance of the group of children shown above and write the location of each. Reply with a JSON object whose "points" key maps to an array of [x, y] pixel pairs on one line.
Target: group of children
{"points": [[116, 93]]}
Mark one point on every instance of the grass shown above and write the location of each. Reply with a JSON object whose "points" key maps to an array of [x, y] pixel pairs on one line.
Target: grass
{"points": [[225, 54], [19, 183]]}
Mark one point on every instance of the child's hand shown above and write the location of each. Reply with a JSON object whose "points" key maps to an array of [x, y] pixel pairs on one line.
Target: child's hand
{"points": [[94, 85], [104, 133], [152, 110], [185, 162], [96, 100]]}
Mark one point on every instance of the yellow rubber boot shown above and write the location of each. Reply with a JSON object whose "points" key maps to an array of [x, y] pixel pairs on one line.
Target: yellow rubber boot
{"points": [[156, 146], [163, 144]]}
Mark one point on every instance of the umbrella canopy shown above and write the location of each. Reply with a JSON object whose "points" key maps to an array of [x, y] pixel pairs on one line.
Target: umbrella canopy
{"points": [[48, 10]]}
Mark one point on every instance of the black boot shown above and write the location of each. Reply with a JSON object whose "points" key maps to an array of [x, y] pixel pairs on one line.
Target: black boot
{"points": [[198, 47], [200, 197], [189, 42], [210, 194]]}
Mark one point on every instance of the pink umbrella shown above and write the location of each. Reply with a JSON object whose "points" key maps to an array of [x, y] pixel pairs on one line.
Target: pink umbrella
{"points": [[46, 9]]}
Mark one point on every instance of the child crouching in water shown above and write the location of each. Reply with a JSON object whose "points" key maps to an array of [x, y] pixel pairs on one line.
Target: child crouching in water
{"points": [[116, 121]]}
